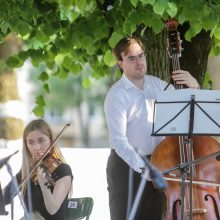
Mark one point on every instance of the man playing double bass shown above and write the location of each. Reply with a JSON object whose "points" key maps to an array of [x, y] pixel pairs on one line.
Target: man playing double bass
{"points": [[129, 115]]}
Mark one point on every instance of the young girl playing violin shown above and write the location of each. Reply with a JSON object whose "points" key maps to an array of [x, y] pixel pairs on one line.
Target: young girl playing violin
{"points": [[49, 199]]}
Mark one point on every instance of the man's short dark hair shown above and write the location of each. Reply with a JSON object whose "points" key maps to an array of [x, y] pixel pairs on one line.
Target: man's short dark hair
{"points": [[124, 44]]}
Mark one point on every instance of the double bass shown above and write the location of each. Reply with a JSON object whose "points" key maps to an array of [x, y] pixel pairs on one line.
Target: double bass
{"points": [[201, 196]]}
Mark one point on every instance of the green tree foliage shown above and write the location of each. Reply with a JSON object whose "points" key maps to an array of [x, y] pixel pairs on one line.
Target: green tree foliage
{"points": [[67, 34]]}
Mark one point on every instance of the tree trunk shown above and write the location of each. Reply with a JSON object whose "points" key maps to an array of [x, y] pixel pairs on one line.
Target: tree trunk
{"points": [[195, 53], [156, 52], [11, 127]]}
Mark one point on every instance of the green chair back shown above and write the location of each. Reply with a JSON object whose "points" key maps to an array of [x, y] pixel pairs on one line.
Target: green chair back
{"points": [[79, 208]]}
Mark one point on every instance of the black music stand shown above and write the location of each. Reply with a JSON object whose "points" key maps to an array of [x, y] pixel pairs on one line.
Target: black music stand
{"points": [[2, 205], [16, 188], [182, 114], [157, 180]]}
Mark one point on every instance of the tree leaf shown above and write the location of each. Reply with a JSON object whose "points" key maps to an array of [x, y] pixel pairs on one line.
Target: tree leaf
{"points": [[129, 27], [109, 59], [101, 27], [66, 3], [134, 2], [86, 83], [63, 73], [158, 25], [171, 9], [4, 27], [215, 51], [67, 62], [208, 22], [193, 30], [81, 4], [41, 36], [40, 100], [190, 13], [75, 68], [87, 43], [22, 28], [38, 111], [217, 33], [182, 18], [160, 6], [14, 62], [43, 76], [51, 28], [116, 36], [46, 87], [151, 2], [23, 55]]}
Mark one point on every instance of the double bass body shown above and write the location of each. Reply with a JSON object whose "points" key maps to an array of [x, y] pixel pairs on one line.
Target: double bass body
{"points": [[206, 176]]}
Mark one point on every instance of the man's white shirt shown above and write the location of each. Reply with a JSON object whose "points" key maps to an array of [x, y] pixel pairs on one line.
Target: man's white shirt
{"points": [[129, 116]]}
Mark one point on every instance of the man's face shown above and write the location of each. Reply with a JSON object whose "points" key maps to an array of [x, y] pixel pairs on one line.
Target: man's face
{"points": [[133, 62]]}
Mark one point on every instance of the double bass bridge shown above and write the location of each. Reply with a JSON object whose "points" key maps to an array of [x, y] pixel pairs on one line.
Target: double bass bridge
{"points": [[195, 212]]}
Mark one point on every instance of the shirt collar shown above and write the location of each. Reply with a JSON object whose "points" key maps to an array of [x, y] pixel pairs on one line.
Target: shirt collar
{"points": [[128, 84]]}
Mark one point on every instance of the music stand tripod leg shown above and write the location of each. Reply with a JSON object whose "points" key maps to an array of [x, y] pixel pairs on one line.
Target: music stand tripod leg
{"points": [[190, 177], [183, 195], [137, 198], [14, 181], [2, 205]]}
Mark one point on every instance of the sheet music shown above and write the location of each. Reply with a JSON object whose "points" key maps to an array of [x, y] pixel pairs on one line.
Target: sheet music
{"points": [[169, 121]]}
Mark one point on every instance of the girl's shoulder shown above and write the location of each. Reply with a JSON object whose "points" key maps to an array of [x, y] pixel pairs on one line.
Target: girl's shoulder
{"points": [[62, 170]]}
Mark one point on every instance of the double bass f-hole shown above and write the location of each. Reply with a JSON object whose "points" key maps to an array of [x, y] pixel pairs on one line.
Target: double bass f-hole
{"points": [[200, 198]]}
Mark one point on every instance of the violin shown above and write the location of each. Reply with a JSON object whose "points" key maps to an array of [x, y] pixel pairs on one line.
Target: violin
{"points": [[49, 162]]}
